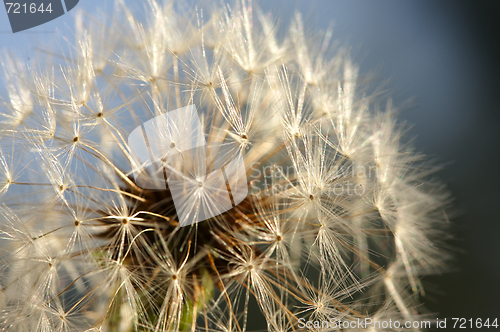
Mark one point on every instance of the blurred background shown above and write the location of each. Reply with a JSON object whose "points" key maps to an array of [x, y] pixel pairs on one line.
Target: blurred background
{"points": [[440, 61]]}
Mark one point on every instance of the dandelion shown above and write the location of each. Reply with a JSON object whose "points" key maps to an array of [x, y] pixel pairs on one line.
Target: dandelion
{"points": [[110, 222]]}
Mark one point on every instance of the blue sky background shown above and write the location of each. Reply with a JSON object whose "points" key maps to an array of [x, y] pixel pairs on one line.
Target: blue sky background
{"points": [[443, 55]]}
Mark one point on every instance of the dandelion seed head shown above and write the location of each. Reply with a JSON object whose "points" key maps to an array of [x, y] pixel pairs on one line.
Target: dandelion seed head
{"points": [[122, 208]]}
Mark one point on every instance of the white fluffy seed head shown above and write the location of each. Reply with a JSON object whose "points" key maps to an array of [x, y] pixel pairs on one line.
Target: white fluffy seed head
{"points": [[341, 220]]}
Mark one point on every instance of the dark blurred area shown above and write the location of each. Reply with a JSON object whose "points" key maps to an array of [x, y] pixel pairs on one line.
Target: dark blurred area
{"points": [[473, 289]]}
